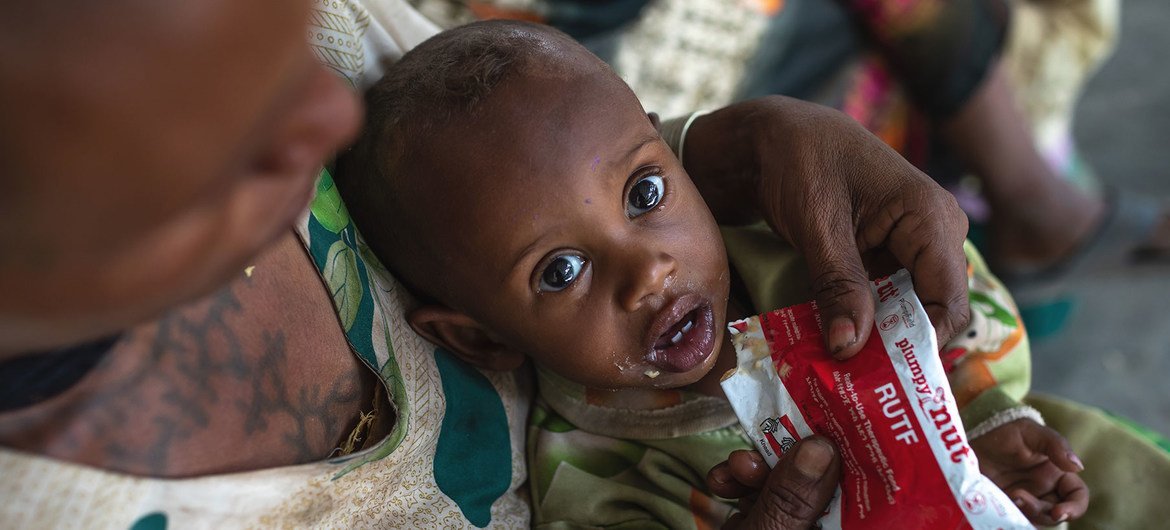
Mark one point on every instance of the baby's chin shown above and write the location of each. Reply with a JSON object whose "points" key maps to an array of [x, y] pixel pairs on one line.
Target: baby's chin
{"points": [[665, 381], [648, 377], [644, 391]]}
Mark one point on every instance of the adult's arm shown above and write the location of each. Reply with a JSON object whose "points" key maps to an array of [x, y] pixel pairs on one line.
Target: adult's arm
{"points": [[838, 194]]}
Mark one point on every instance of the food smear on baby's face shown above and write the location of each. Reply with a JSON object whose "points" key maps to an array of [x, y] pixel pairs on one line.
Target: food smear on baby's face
{"points": [[599, 293]]}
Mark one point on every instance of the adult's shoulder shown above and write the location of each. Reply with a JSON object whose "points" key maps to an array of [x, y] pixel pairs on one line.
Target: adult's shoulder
{"points": [[260, 367]]}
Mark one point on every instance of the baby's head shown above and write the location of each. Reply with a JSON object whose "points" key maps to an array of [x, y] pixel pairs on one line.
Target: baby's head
{"points": [[514, 184]]}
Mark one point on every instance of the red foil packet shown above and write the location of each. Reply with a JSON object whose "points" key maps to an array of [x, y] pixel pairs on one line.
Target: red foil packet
{"points": [[906, 460]]}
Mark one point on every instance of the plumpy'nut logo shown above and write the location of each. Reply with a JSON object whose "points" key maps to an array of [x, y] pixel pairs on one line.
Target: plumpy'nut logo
{"points": [[907, 463]]}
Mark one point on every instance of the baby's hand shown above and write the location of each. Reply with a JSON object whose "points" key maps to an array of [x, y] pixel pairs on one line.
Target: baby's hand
{"points": [[1036, 468]]}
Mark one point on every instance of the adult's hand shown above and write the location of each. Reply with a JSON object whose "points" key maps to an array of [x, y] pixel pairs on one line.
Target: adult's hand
{"points": [[791, 496], [842, 198]]}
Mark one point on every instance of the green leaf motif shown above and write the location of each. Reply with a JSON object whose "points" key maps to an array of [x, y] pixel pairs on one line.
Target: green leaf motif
{"points": [[392, 378], [473, 456], [341, 274], [993, 309], [327, 206], [372, 261]]}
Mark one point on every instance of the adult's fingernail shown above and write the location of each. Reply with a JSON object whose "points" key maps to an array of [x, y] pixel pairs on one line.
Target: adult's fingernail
{"points": [[1063, 518], [813, 458], [842, 334], [720, 475], [1076, 460]]}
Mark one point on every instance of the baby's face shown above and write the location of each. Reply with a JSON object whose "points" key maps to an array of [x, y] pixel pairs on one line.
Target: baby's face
{"points": [[576, 238]]}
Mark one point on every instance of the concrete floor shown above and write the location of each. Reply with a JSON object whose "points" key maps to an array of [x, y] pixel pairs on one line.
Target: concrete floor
{"points": [[1115, 350]]}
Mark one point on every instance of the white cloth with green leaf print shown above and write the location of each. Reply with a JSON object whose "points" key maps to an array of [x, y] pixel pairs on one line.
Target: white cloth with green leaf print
{"points": [[453, 459]]}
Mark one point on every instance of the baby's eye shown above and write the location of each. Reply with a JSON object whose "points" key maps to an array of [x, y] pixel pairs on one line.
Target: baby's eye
{"points": [[645, 195], [561, 272]]}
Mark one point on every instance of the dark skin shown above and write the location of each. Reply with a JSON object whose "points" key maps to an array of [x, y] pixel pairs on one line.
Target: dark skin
{"points": [[865, 193], [223, 159], [557, 184], [1038, 217], [135, 210], [294, 281], [1032, 463], [214, 387], [555, 191], [161, 173], [1037, 469], [812, 465]]}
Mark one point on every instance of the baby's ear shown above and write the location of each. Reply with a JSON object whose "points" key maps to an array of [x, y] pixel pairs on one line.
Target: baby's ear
{"points": [[463, 336]]}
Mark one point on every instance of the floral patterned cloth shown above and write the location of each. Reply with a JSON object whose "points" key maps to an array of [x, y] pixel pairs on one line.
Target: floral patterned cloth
{"points": [[454, 458]]}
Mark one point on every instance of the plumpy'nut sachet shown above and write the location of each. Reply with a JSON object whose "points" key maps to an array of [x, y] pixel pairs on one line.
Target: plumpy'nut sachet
{"points": [[905, 458]]}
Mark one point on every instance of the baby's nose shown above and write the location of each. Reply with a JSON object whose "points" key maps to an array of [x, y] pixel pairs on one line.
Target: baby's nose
{"points": [[647, 276]]}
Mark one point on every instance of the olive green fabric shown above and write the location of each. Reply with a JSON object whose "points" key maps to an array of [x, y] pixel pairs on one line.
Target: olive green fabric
{"points": [[1127, 468]]}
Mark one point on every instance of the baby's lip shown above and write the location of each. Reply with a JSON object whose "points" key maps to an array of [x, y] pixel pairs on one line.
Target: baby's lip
{"points": [[682, 335]]}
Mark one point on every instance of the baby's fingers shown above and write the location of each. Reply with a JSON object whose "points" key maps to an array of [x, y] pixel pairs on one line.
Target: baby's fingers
{"points": [[721, 483], [742, 474], [1039, 511], [1074, 495], [748, 468], [1056, 448]]}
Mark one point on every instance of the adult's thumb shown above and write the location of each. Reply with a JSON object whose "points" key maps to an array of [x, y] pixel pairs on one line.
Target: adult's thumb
{"points": [[841, 285], [799, 488]]}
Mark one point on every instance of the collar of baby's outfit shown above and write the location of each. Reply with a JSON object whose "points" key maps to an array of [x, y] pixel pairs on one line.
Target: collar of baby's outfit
{"points": [[634, 413]]}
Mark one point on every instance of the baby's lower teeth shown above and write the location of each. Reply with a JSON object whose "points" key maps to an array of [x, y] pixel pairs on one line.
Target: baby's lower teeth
{"points": [[690, 324], [677, 337]]}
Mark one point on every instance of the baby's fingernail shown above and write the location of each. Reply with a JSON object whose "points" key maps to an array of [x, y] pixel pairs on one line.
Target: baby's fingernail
{"points": [[842, 334], [720, 475], [813, 458], [1063, 518], [1076, 460], [1019, 502]]}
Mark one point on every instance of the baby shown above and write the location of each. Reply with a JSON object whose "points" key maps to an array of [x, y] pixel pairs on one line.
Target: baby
{"points": [[521, 193]]}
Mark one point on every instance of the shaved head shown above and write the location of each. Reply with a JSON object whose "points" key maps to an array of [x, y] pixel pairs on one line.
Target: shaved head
{"points": [[438, 90]]}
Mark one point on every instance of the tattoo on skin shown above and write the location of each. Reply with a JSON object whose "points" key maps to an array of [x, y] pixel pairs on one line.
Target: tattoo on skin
{"points": [[191, 357], [307, 407]]}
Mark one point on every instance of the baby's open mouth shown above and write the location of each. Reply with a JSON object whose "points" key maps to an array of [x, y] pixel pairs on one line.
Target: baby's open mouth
{"points": [[684, 335], [676, 332]]}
